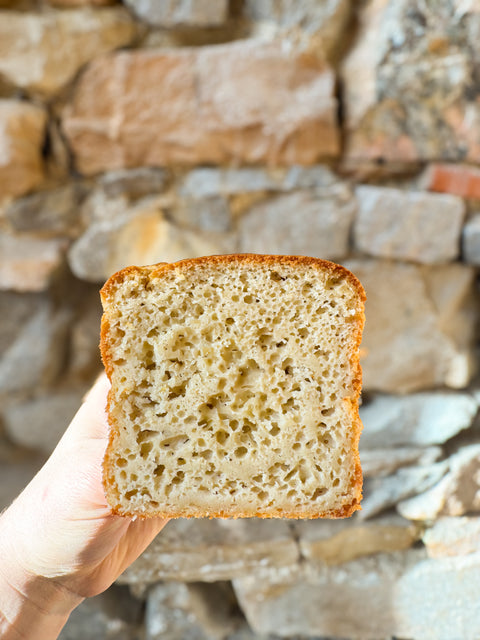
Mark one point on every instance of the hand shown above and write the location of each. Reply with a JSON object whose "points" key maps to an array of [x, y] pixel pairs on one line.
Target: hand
{"points": [[60, 542]]}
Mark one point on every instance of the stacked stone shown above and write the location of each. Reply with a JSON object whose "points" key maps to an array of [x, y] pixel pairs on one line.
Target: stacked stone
{"points": [[154, 131]]}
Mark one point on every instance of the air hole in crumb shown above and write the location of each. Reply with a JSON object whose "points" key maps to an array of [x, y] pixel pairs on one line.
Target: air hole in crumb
{"points": [[130, 494], [159, 469], [241, 452], [328, 412], [274, 431], [145, 449], [321, 491], [121, 462]]}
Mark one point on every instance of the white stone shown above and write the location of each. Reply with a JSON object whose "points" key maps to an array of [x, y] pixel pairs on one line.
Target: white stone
{"points": [[452, 536], [457, 493], [400, 594], [382, 462], [471, 240], [406, 225], [419, 419], [176, 13]]}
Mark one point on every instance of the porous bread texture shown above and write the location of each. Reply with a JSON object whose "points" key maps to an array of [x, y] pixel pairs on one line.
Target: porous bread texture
{"points": [[235, 384]]}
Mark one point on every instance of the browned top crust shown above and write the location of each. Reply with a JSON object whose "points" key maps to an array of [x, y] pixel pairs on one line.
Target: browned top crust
{"points": [[162, 268]]}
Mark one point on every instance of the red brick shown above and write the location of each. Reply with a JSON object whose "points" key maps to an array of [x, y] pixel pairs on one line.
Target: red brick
{"points": [[458, 179]]}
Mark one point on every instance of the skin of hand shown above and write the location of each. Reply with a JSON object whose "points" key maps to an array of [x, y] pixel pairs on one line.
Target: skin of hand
{"points": [[59, 541]]}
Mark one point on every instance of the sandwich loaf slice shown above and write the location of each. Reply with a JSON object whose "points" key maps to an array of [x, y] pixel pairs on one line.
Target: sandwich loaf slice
{"points": [[235, 385]]}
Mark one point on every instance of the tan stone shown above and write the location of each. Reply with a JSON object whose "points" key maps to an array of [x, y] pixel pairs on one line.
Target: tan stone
{"points": [[68, 4], [248, 101], [409, 82], [400, 594], [22, 130], [27, 263], [42, 52], [337, 541], [420, 325], [211, 550], [408, 225]]}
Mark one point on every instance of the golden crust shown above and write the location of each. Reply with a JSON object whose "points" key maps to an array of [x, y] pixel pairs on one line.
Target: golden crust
{"points": [[162, 268]]}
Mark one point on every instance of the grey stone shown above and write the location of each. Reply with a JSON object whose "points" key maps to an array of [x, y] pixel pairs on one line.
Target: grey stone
{"points": [[113, 615], [36, 356], [209, 550], [401, 594], [421, 325], [177, 13], [381, 494], [55, 211], [15, 473], [419, 419], [382, 462], [134, 183], [211, 214], [456, 494], [137, 235], [17, 309], [452, 536], [84, 361], [28, 262], [406, 225], [40, 423], [189, 611], [205, 182], [305, 223], [340, 541], [471, 240]]}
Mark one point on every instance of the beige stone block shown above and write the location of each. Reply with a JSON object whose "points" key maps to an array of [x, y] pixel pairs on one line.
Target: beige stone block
{"points": [[22, 130], [335, 542], [212, 550], [181, 13], [384, 462], [41, 52], [408, 225], [453, 536], [420, 325], [247, 102]]}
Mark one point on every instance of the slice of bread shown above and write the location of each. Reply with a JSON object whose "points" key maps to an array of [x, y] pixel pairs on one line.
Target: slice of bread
{"points": [[235, 384]]}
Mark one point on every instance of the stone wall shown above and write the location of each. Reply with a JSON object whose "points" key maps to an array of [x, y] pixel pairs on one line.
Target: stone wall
{"points": [[157, 130]]}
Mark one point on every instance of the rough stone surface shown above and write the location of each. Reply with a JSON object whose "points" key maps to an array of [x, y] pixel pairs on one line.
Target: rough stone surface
{"points": [[42, 52], [420, 325], [457, 494], [311, 223], [177, 13], [327, 19], [84, 361], [210, 181], [452, 537], [36, 356], [54, 212], [40, 423], [471, 240], [381, 494], [247, 101], [17, 310], [210, 550], [139, 235], [191, 612], [384, 462], [459, 179], [113, 615], [22, 130], [420, 419], [406, 225], [403, 594], [27, 262], [134, 183], [339, 541], [410, 86], [69, 4], [208, 214], [15, 474]]}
